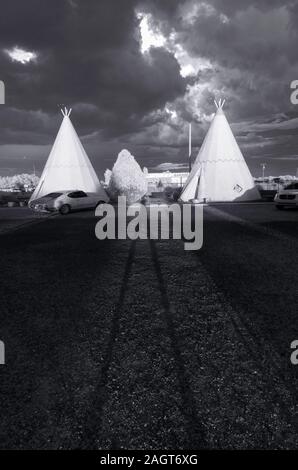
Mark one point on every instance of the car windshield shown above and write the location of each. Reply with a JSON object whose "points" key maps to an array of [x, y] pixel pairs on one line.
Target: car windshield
{"points": [[53, 195]]}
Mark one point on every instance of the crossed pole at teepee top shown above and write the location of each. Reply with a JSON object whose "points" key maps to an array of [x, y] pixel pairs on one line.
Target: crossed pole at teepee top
{"points": [[219, 104], [66, 112]]}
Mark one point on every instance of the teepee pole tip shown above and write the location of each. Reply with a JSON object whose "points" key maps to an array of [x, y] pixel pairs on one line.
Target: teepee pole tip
{"points": [[220, 103]]}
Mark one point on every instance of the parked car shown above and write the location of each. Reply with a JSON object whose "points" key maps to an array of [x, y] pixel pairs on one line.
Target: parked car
{"points": [[67, 201], [287, 197]]}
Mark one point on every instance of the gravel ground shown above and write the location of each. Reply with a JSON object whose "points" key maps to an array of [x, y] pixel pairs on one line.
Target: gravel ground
{"points": [[141, 345]]}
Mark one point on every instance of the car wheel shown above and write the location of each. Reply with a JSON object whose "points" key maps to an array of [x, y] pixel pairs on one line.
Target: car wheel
{"points": [[279, 207], [65, 209]]}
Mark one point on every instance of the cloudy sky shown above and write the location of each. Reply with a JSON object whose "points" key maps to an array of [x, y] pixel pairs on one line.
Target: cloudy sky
{"points": [[136, 72]]}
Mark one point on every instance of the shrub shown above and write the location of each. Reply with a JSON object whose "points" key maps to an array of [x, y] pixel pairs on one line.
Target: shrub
{"points": [[127, 179], [168, 192], [177, 193], [107, 177]]}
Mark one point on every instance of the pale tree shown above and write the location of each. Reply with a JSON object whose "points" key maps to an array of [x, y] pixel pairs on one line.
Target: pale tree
{"points": [[107, 177], [21, 182], [127, 179]]}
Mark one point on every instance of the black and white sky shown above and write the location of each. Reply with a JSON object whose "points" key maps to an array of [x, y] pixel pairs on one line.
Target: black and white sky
{"points": [[135, 72]]}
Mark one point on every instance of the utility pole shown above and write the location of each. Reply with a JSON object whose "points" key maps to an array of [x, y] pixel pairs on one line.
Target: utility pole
{"points": [[189, 147], [263, 165]]}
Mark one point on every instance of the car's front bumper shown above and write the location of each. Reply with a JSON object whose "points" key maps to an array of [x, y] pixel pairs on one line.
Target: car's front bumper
{"points": [[286, 202], [42, 208]]}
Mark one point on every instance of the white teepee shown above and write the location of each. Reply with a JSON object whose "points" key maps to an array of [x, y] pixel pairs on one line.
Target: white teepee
{"points": [[68, 166], [220, 172]]}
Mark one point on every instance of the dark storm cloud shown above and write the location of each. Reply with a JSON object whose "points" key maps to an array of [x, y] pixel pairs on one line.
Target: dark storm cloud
{"points": [[257, 38], [231, 6], [88, 52], [252, 48], [33, 23], [89, 58]]}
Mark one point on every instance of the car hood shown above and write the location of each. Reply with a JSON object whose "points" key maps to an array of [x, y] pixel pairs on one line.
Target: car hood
{"points": [[49, 201], [288, 191]]}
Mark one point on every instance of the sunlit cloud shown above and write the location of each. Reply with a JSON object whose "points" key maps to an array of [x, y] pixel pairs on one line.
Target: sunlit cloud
{"points": [[190, 11], [168, 166], [171, 112], [189, 66], [187, 70], [150, 37], [20, 55]]}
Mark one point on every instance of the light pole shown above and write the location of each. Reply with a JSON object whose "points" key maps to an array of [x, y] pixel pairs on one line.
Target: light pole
{"points": [[263, 165], [189, 147]]}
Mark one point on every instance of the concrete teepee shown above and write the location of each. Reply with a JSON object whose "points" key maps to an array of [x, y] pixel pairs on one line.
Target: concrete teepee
{"points": [[68, 166], [220, 172]]}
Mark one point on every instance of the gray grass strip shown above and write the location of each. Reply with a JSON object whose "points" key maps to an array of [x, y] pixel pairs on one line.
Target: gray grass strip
{"points": [[251, 225], [14, 228]]}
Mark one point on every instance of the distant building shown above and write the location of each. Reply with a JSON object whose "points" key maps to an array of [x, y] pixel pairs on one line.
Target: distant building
{"points": [[159, 181], [273, 183]]}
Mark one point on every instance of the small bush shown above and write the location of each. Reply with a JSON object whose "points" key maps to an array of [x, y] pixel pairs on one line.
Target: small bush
{"points": [[127, 179], [177, 193], [168, 192]]}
